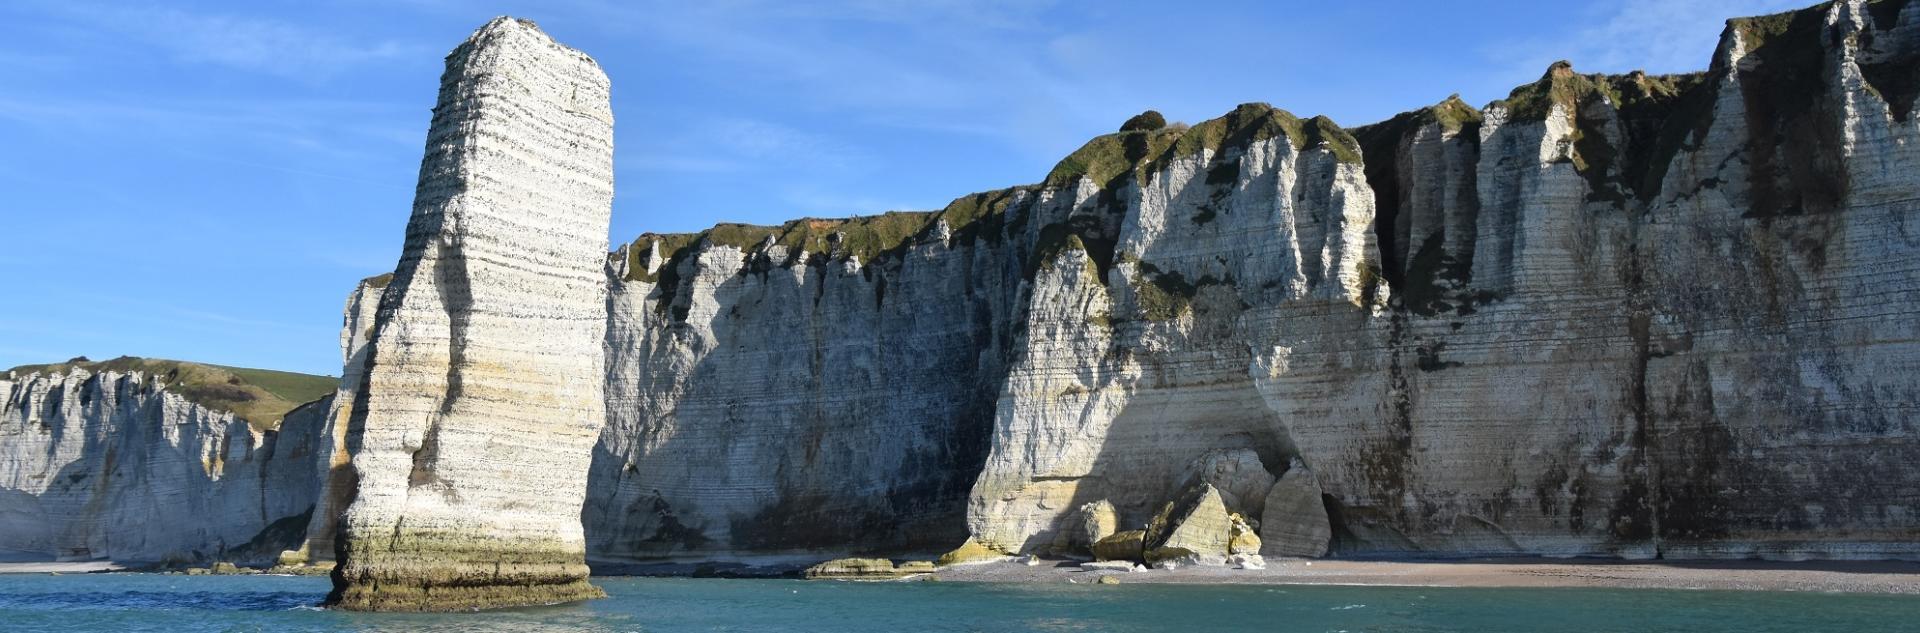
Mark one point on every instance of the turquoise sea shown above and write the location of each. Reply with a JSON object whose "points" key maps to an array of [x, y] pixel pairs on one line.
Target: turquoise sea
{"points": [[181, 604]]}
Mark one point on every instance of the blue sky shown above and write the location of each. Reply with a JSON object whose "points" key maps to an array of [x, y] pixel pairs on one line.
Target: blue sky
{"points": [[206, 180]]}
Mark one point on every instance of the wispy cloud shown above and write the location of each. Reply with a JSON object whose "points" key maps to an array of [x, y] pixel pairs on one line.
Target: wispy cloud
{"points": [[1658, 36], [339, 129], [221, 318], [902, 64], [673, 163], [236, 41], [831, 204], [145, 314], [767, 141], [733, 144]]}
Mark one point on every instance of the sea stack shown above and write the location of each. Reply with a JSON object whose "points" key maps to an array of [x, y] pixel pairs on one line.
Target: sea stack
{"points": [[473, 431]]}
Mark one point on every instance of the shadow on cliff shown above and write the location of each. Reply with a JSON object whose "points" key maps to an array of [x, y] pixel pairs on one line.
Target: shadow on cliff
{"points": [[1156, 445], [875, 453]]}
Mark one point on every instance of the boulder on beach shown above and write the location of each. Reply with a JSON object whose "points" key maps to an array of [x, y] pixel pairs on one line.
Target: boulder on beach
{"points": [[1126, 546], [969, 552], [1098, 520], [1195, 528]]}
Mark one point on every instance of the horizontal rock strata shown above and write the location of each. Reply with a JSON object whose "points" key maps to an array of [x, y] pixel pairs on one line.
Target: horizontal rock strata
{"points": [[472, 433], [1610, 315], [333, 460], [111, 461]]}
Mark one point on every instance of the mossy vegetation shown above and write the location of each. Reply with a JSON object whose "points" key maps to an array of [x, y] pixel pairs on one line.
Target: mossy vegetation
{"points": [[1055, 239], [260, 396], [978, 216], [1111, 161], [1164, 295], [1145, 122], [1626, 130], [671, 245], [1559, 86], [865, 237], [971, 551], [1107, 160], [381, 280], [1254, 122]]}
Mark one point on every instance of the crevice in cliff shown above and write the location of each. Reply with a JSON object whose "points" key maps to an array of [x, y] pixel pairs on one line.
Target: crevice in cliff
{"points": [[1794, 134], [1343, 541], [1887, 63], [1389, 168], [1636, 513], [1626, 128], [1387, 456]]}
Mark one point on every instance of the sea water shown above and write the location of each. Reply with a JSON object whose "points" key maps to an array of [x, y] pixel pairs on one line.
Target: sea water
{"points": [[182, 604]]}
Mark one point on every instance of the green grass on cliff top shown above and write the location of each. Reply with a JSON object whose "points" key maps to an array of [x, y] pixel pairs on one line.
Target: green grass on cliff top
{"points": [[865, 237], [260, 396], [1106, 160], [1136, 151]]}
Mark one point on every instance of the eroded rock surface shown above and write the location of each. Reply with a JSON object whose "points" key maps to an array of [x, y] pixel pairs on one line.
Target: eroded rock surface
{"points": [[1610, 315], [1194, 528], [112, 461], [332, 459], [1294, 522], [471, 436]]}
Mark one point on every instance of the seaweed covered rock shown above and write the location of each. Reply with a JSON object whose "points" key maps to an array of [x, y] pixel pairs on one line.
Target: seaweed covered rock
{"points": [[1122, 546], [969, 552], [853, 569]]}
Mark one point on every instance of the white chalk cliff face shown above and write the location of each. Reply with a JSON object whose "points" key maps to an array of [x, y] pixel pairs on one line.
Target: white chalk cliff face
{"points": [[472, 432], [757, 404], [1610, 315], [112, 464], [332, 461]]}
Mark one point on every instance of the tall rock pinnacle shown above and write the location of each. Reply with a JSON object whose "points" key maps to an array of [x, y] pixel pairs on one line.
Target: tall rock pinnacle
{"points": [[472, 434]]}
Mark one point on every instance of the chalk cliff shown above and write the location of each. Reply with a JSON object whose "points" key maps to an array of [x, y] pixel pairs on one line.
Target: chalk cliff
{"points": [[1609, 315], [144, 461], [471, 433], [332, 459], [1614, 315]]}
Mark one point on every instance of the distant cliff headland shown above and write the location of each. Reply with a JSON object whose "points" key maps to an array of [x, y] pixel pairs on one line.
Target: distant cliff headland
{"points": [[1627, 316]]}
